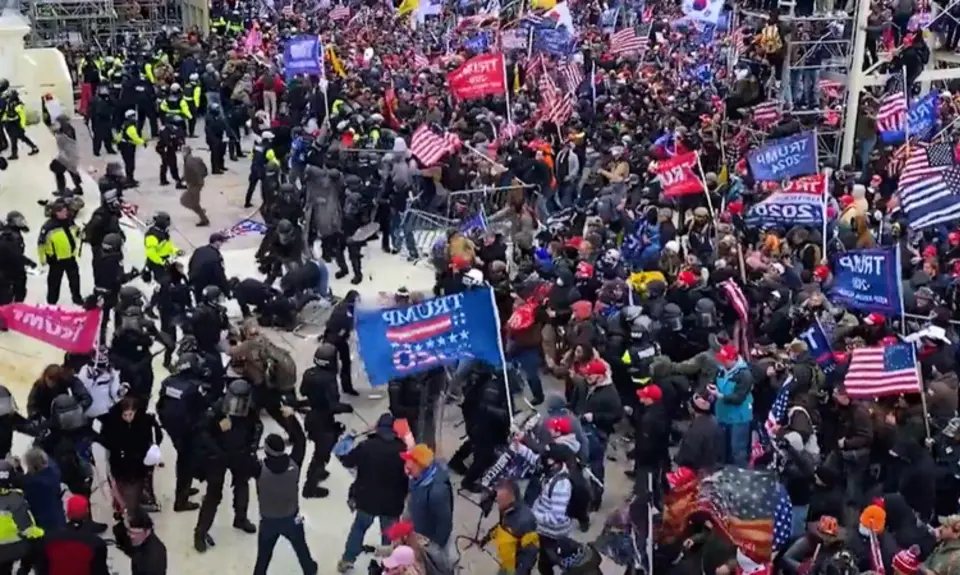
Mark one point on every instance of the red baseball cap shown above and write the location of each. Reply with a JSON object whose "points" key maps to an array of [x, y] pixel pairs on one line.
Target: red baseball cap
{"points": [[930, 252], [735, 207], [77, 508], [821, 272], [846, 201], [399, 530], [875, 319], [687, 278], [560, 425], [595, 367], [651, 392], [727, 353]]}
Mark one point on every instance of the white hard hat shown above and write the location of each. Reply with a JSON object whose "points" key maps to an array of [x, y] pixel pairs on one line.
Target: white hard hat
{"points": [[473, 277], [129, 114], [267, 135]]}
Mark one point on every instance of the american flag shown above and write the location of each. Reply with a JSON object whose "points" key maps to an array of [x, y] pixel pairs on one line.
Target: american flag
{"points": [[548, 88], [430, 148], [742, 308], [929, 187], [876, 555], [766, 114], [426, 340], [245, 227], [420, 61], [881, 371], [751, 507], [572, 74], [560, 111], [778, 411], [629, 40], [892, 113], [534, 66], [339, 13]]}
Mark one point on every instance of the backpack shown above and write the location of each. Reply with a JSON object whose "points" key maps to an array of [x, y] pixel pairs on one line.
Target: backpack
{"points": [[581, 495], [281, 369]]}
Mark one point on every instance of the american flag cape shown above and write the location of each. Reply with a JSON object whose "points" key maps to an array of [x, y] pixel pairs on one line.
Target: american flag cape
{"points": [[740, 305], [430, 148], [882, 370]]}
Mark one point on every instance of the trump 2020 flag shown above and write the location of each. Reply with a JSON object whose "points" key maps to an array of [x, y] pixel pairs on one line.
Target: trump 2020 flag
{"points": [[401, 341], [703, 10], [868, 280]]}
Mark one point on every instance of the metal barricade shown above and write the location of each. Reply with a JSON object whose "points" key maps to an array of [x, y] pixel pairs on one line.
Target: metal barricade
{"points": [[421, 231], [465, 204]]}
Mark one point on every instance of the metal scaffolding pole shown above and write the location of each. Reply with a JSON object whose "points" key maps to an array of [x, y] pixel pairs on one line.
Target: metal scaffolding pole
{"points": [[97, 22]]}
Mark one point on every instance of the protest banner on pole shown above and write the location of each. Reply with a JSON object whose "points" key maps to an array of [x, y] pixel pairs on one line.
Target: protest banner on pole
{"points": [[478, 77], [868, 280], [784, 158]]}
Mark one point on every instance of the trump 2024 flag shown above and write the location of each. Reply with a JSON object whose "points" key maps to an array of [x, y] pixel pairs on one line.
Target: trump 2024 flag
{"points": [[400, 341]]}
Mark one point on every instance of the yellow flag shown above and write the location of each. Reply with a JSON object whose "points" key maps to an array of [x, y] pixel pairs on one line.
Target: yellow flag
{"points": [[724, 175], [335, 62], [407, 6], [516, 79]]}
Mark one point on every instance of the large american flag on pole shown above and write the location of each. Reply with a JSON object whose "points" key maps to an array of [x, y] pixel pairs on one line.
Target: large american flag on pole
{"points": [[929, 188], [630, 40], [339, 13], [572, 74], [881, 371], [430, 147], [892, 113]]}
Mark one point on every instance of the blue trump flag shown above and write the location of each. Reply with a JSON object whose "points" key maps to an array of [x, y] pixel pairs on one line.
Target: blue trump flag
{"points": [[921, 120], [819, 346], [401, 341], [301, 55], [786, 208], [785, 158], [868, 280], [553, 41]]}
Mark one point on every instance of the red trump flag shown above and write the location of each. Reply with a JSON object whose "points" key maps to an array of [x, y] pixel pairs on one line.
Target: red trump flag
{"points": [[478, 77]]}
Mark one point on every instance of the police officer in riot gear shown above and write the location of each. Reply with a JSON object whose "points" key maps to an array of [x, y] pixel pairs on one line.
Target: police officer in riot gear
{"points": [[175, 103], [206, 323], [268, 303], [105, 220], [169, 141], [132, 340], [283, 247], [13, 259], [319, 390], [174, 300], [192, 95], [215, 131], [182, 403], [640, 352], [112, 181], [69, 442], [673, 341], [129, 139], [109, 276], [228, 440], [704, 322], [146, 100], [100, 115], [263, 155], [118, 100]]}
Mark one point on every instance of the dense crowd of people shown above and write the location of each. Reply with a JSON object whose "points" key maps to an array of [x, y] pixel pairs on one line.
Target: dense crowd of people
{"points": [[626, 309]]}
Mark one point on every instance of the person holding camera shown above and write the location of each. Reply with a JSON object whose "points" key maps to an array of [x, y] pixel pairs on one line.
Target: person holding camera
{"points": [[515, 534]]}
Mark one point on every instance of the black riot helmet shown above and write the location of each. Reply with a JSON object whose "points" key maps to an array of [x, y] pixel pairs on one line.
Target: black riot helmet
{"points": [[4, 85], [67, 412], [17, 221], [630, 314], [706, 312], [129, 296], [236, 400], [672, 317], [285, 230], [189, 364], [211, 294], [8, 404], [326, 357], [8, 474], [112, 243], [162, 220]]}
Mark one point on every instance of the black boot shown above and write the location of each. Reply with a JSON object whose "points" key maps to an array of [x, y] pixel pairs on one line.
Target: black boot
{"points": [[315, 492], [342, 273], [184, 504], [202, 541], [244, 524]]}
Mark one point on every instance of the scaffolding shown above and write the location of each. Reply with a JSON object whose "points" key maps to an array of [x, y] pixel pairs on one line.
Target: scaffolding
{"points": [[101, 23], [941, 68]]}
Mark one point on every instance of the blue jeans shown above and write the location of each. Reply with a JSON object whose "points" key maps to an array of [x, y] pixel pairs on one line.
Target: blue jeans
{"points": [[401, 228], [323, 284], [738, 443], [361, 522], [803, 86], [529, 361], [290, 528], [598, 455], [799, 519]]}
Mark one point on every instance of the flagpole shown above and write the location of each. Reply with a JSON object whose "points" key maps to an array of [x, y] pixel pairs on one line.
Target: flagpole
{"points": [[827, 172], [706, 191], [593, 82], [503, 357], [923, 392], [906, 117], [506, 86], [903, 317]]}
